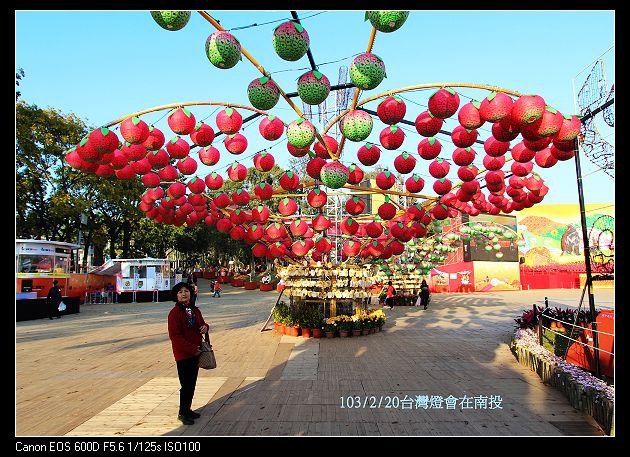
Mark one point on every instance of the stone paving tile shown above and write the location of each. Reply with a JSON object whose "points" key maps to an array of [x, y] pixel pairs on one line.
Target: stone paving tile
{"points": [[267, 384]]}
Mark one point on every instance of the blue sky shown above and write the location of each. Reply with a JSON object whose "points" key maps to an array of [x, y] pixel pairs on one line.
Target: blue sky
{"points": [[104, 65]]}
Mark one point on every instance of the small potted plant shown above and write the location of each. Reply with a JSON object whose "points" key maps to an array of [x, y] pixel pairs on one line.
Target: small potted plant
{"points": [[330, 327]]}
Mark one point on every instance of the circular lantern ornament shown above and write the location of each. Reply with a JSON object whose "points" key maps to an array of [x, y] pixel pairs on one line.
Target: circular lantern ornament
{"points": [[187, 166], [260, 214], [263, 191], [289, 180], [209, 155], [387, 210], [143, 166], [235, 144], [404, 163], [385, 179], [263, 93], [355, 174], [559, 154], [439, 168], [331, 144], [323, 244], [321, 223], [462, 137], [275, 231], [548, 125], [301, 133], [374, 229], [427, 124], [159, 159], [202, 135], [316, 198], [181, 121], [493, 163], [443, 103], [429, 148], [463, 156], [271, 128], [178, 148], [351, 248], [356, 125], [196, 185], [229, 121], [392, 137], [522, 169], [367, 71], [103, 141], [168, 173], [349, 226], [134, 130], [391, 110], [314, 167], [468, 172], [297, 152], [495, 107], [155, 140], [313, 87], [237, 172], [298, 227], [355, 206], [545, 159], [442, 186], [214, 181], [527, 109], [440, 212], [171, 20], [150, 179], [570, 128], [494, 147], [259, 250], [387, 21], [505, 130], [263, 161], [369, 154], [223, 49], [290, 41], [469, 116], [522, 153], [538, 143], [287, 206], [300, 248], [414, 184]]}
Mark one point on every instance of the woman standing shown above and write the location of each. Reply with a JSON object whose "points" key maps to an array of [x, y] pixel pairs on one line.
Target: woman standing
{"points": [[424, 294], [185, 329]]}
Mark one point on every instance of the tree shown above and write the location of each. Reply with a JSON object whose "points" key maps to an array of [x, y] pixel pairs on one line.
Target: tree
{"points": [[19, 74]]}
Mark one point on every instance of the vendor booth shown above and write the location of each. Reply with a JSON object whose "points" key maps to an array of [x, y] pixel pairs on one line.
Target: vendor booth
{"points": [[137, 280]]}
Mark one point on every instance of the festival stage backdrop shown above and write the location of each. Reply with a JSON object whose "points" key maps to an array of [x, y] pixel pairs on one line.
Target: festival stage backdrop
{"points": [[491, 276]]}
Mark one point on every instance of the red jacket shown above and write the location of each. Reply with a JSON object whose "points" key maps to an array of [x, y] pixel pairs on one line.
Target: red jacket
{"points": [[184, 339]]}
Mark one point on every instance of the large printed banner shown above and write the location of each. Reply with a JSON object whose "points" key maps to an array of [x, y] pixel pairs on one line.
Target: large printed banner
{"points": [[553, 233], [491, 276]]}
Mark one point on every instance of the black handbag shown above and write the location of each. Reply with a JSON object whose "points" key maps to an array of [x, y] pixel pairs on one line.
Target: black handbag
{"points": [[207, 360]]}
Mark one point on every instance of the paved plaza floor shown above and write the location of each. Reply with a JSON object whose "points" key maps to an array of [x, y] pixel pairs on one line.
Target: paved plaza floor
{"points": [[109, 371]]}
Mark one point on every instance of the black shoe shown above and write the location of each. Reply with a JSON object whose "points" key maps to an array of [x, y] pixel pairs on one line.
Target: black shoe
{"points": [[193, 415], [425, 307], [185, 419], [50, 318], [58, 317], [391, 307]]}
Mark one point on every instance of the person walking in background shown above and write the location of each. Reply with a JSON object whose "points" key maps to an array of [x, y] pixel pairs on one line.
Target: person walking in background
{"points": [[217, 289], [424, 293], [195, 290], [185, 329], [391, 294], [53, 299]]}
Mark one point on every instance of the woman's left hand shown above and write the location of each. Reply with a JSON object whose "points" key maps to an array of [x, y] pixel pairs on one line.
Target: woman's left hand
{"points": [[203, 329]]}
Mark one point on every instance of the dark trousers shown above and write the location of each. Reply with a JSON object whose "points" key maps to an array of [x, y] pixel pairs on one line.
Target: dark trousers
{"points": [[187, 371], [53, 310]]}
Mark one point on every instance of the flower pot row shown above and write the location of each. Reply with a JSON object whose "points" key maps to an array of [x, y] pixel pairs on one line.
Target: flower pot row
{"points": [[347, 333], [306, 332]]}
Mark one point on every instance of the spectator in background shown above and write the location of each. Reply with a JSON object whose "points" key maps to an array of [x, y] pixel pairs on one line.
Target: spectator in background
{"points": [[194, 288], [53, 299], [217, 289]]}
